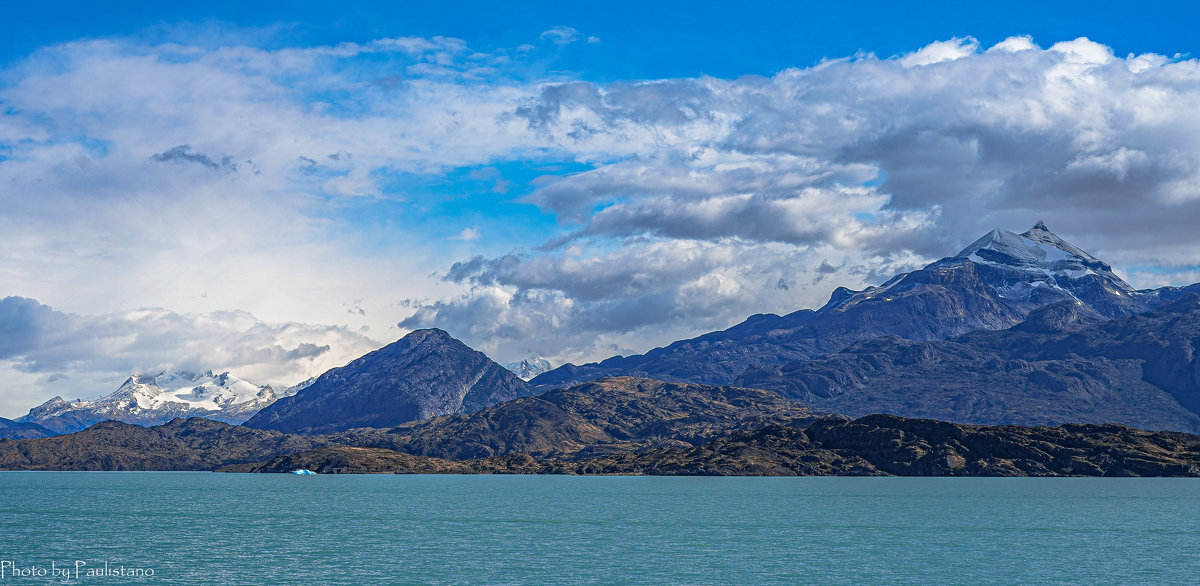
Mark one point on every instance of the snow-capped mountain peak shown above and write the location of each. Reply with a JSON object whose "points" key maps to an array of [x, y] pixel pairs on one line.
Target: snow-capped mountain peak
{"points": [[529, 367], [205, 391], [994, 283], [1041, 256], [153, 399]]}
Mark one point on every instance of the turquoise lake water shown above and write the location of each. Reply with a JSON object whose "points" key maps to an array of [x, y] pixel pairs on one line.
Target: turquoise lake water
{"points": [[203, 528]]}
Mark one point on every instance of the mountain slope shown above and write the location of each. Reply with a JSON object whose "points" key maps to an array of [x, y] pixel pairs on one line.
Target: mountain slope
{"points": [[614, 414], [156, 399], [992, 284], [715, 358], [888, 445], [1065, 363], [425, 374]]}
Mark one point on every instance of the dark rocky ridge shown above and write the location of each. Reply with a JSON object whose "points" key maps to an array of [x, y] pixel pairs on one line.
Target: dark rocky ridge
{"points": [[425, 374], [1063, 364], [992, 284], [876, 445], [180, 444], [605, 416]]}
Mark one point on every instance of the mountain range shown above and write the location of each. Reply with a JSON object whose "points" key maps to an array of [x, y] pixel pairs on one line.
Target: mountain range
{"points": [[992, 284], [629, 434], [1014, 330], [1064, 363], [156, 399]]}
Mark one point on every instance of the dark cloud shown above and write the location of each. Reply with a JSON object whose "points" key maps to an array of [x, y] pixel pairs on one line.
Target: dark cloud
{"points": [[22, 323], [825, 268], [181, 154]]}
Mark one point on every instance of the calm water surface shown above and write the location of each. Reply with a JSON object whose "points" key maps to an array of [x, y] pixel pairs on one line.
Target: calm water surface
{"points": [[280, 529]]}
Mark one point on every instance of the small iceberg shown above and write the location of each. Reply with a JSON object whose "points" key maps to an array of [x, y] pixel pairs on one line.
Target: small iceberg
{"points": [[302, 471]]}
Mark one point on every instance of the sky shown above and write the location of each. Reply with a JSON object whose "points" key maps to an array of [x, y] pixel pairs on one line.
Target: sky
{"points": [[274, 190]]}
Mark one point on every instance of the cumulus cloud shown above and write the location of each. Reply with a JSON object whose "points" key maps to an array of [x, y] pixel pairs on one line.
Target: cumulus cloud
{"points": [[681, 204], [652, 291], [951, 50], [887, 162], [467, 234], [85, 355], [565, 35]]}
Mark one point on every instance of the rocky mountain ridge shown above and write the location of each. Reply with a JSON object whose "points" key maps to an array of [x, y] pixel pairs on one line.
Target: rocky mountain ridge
{"points": [[992, 284], [1064, 363]]}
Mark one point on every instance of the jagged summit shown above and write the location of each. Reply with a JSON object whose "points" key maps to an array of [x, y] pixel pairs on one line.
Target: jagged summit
{"points": [[1036, 246]]}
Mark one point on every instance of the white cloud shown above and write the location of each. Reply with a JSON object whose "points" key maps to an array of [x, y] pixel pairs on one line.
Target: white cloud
{"points": [[942, 51], [564, 35], [1083, 50], [1014, 45], [467, 234]]}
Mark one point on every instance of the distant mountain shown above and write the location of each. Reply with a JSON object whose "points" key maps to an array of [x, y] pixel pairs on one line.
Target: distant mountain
{"points": [[425, 374], [156, 399], [296, 388], [992, 284], [10, 429], [1064, 363], [528, 368]]}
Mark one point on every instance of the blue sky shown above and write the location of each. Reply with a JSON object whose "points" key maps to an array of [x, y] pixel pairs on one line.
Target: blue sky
{"points": [[644, 39], [219, 185]]}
